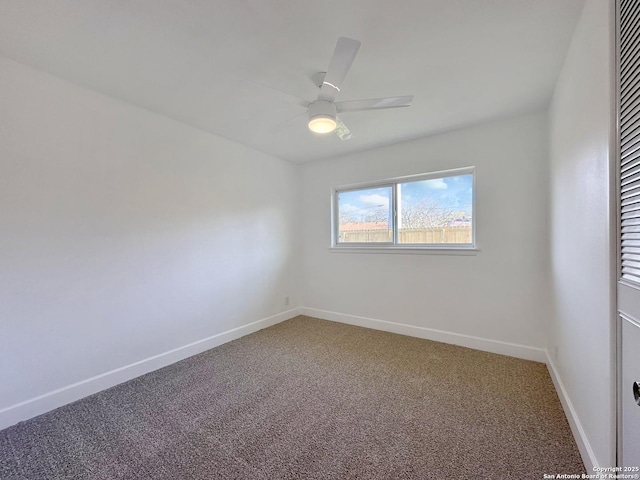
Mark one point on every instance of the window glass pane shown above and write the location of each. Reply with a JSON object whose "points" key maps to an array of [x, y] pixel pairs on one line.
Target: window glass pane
{"points": [[436, 211], [364, 216]]}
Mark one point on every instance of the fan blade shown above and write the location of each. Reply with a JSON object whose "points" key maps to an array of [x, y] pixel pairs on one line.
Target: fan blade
{"points": [[281, 95], [374, 104], [343, 56], [282, 125], [342, 131]]}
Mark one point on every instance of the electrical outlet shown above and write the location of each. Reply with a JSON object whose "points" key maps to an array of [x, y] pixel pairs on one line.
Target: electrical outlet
{"points": [[286, 300]]}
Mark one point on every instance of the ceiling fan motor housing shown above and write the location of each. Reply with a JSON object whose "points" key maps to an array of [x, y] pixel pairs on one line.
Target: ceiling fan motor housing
{"points": [[323, 108]]}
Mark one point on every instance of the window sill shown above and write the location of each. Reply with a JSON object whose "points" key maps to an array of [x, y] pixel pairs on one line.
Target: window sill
{"points": [[407, 250]]}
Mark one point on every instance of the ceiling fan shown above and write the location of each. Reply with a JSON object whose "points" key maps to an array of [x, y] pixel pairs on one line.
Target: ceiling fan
{"points": [[323, 112]]}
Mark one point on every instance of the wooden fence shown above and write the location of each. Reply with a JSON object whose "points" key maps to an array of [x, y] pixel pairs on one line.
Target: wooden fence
{"points": [[410, 235]]}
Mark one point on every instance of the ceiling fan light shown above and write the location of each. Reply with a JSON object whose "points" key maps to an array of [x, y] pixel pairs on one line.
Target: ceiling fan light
{"points": [[322, 124]]}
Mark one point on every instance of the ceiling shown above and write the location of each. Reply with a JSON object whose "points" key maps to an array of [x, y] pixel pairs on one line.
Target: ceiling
{"points": [[221, 65]]}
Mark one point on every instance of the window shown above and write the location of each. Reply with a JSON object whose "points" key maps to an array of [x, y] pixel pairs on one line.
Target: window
{"points": [[365, 215], [429, 211]]}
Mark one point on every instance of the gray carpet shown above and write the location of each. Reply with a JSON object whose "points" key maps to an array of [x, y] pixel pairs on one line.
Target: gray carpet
{"points": [[309, 399]]}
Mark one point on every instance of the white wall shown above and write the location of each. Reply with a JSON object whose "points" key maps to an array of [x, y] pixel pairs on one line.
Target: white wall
{"points": [[500, 294], [124, 235], [582, 326]]}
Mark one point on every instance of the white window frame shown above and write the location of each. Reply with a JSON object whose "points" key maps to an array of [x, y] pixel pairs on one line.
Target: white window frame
{"points": [[395, 247]]}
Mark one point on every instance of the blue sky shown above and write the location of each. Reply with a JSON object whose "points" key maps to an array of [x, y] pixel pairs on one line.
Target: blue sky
{"points": [[453, 192]]}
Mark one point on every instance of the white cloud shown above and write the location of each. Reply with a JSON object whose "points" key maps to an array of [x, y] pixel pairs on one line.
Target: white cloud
{"points": [[348, 208], [435, 184], [374, 200]]}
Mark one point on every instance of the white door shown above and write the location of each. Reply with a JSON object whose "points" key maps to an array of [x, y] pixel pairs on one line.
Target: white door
{"points": [[629, 452], [628, 73]]}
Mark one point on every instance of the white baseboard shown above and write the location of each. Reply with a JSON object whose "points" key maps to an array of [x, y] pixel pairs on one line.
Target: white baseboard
{"points": [[586, 452], [70, 393], [494, 346]]}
